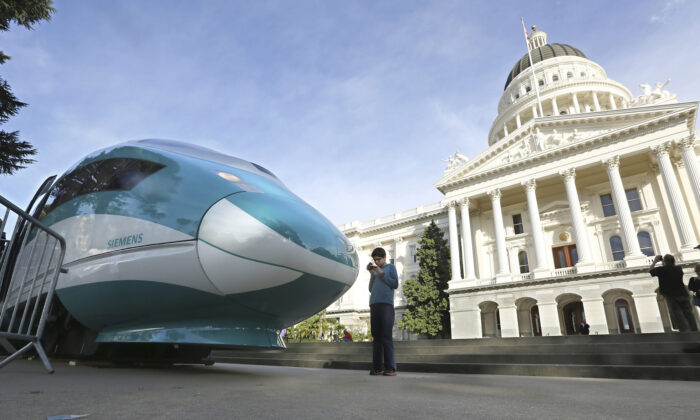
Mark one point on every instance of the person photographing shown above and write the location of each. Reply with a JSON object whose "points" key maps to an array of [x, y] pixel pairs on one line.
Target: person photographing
{"points": [[673, 290], [382, 283]]}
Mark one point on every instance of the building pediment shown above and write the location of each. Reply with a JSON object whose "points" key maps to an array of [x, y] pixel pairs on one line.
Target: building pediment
{"points": [[545, 138]]}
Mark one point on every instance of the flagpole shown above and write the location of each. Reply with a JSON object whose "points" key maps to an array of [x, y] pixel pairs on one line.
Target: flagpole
{"points": [[532, 67]]}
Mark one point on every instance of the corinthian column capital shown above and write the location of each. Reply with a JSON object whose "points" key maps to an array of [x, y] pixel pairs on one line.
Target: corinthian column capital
{"points": [[687, 143], [662, 149], [495, 194], [464, 202], [568, 174], [451, 204], [612, 164], [530, 184]]}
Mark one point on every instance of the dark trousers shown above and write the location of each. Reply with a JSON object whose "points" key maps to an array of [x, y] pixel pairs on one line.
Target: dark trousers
{"points": [[382, 322], [681, 312]]}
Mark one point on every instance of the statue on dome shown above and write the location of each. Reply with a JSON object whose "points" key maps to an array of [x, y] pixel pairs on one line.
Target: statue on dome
{"points": [[656, 96]]}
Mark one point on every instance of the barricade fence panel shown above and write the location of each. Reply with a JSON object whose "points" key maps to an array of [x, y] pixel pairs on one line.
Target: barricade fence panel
{"points": [[31, 263]]}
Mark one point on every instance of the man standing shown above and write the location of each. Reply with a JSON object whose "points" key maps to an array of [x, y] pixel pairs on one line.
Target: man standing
{"points": [[673, 290], [382, 283]]}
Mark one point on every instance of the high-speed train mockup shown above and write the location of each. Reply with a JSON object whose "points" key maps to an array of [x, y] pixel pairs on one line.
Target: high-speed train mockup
{"points": [[176, 244]]}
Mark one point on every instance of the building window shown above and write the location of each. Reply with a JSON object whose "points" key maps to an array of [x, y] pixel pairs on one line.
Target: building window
{"points": [[527, 89], [541, 82], [645, 244], [633, 199], [555, 78], [583, 74], [569, 75], [522, 260], [413, 250], [608, 206], [517, 95], [518, 224], [618, 252]]}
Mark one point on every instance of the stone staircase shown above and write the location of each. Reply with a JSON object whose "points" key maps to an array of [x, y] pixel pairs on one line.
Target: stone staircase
{"points": [[673, 356]]}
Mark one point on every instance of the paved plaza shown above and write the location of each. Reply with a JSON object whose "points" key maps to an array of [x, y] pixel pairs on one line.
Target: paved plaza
{"points": [[263, 392]]}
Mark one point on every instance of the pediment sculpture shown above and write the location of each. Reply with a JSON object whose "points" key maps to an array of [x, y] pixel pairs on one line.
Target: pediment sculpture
{"points": [[455, 160]]}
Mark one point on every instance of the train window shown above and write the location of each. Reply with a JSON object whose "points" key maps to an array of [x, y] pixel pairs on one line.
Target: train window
{"points": [[105, 175]]}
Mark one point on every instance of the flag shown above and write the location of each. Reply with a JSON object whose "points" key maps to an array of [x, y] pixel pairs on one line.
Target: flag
{"points": [[527, 38]]}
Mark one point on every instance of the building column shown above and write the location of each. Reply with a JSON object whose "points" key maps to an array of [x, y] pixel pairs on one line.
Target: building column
{"points": [[509, 320], [536, 225], [675, 197], [549, 318], [624, 214], [467, 249], [555, 108], [687, 147], [517, 120], [505, 130], [574, 98], [648, 313], [503, 268], [595, 315], [585, 257], [596, 104], [465, 323], [454, 240], [613, 105]]}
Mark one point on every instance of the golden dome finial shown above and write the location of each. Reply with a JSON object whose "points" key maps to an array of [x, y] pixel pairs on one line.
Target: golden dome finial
{"points": [[534, 28]]}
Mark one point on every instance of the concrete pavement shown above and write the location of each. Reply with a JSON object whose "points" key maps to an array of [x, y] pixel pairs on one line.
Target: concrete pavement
{"points": [[266, 392]]}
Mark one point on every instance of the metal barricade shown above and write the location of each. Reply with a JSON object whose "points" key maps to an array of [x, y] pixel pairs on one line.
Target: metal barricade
{"points": [[33, 258]]}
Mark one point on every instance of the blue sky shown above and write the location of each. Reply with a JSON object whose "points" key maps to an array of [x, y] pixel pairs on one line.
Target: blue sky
{"points": [[352, 104]]}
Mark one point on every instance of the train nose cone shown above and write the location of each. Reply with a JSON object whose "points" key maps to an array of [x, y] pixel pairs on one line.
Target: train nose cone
{"points": [[275, 254]]}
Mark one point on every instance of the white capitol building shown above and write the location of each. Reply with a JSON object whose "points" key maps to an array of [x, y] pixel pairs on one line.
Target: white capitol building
{"points": [[559, 218]]}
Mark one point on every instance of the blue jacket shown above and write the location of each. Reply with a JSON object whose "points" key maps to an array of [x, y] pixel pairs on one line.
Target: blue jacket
{"points": [[382, 286]]}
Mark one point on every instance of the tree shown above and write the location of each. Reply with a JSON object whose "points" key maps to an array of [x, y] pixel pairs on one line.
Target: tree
{"points": [[428, 309], [314, 326], [15, 154]]}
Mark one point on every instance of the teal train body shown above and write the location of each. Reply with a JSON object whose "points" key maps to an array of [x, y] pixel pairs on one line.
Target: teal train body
{"points": [[173, 243]]}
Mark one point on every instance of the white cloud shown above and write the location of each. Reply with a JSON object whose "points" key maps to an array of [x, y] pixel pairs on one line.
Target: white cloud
{"points": [[663, 15]]}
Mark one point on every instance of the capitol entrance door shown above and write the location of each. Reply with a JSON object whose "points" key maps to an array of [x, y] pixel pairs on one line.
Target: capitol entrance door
{"points": [[573, 315]]}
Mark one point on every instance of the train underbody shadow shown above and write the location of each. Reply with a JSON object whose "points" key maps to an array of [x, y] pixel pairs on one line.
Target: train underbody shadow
{"points": [[66, 338]]}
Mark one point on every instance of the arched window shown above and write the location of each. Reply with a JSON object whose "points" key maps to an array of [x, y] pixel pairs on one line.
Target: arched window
{"points": [[541, 82], [569, 75], [555, 78], [645, 244], [522, 260], [618, 252], [624, 316], [528, 88], [583, 74]]}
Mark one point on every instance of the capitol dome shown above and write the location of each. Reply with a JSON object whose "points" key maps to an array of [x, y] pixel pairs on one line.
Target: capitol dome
{"points": [[553, 81], [542, 53]]}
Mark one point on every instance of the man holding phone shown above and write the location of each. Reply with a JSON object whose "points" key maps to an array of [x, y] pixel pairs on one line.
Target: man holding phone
{"points": [[383, 281], [673, 290]]}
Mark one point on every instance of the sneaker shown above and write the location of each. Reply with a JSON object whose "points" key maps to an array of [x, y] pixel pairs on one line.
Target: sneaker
{"points": [[375, 372], [390, 372]]}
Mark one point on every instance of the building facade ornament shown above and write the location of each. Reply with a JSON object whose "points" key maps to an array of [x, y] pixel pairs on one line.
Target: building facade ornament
{"points": [[568, 174], [495, 194], [529, 185], [687, 144], [662, 149], [612, 163]]}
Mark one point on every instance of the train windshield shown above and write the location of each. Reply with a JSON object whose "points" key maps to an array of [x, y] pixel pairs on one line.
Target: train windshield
{"points": [[116, 174]]}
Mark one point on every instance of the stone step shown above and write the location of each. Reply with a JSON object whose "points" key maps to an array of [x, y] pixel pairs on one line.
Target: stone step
{"points": [[659, 359], [641, 356], [688, 373]]}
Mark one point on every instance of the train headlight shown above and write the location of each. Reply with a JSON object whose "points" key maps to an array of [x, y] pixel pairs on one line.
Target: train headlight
{"points": [[246, 186]]}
